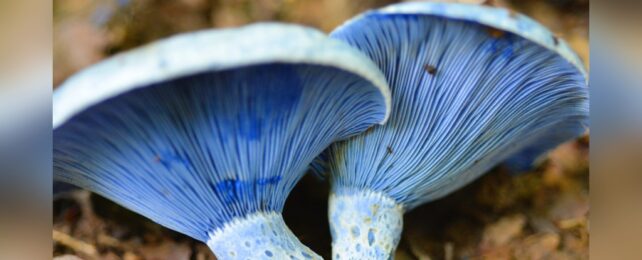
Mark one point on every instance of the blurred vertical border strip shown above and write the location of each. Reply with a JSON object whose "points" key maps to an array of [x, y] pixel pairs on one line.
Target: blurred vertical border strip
{"points": [[25, 129], [616, 129]]}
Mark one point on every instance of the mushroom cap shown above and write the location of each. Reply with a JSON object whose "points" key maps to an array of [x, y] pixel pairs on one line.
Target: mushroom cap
{"points": [[209, 50], [204, 128], [472, 86], [496, 17]]}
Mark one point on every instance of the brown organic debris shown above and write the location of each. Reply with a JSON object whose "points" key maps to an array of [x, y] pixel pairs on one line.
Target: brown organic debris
{"points": [[432, 70], [503, 231], [75, 244], [495, 33]]}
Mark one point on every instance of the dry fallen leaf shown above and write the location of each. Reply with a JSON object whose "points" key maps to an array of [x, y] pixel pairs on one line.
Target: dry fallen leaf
{"points": [[537, 246], [502, 231]]}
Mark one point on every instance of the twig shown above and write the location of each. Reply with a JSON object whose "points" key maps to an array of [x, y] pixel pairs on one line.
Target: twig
{"points": [[75, 244]]}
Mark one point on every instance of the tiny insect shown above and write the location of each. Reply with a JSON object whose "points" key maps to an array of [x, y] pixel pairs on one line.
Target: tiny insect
{"points": [[555, 40], [389, 149]]}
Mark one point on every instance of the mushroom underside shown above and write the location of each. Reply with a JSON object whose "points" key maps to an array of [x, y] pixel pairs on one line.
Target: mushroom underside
{"points": [[195, 152]]}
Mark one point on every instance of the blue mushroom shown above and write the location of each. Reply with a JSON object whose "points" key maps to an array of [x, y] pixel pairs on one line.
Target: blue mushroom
{"points": [[207, 132], [472, 86]]}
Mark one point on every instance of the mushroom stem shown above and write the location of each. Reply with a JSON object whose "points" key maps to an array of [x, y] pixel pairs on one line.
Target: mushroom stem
{"points": [[258, 236], [364, 225]]}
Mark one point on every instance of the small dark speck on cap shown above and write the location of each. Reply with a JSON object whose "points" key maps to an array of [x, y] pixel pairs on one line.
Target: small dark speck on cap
{"points": [[495, 33], [430, 69], [369, 129], [389, 149], [555, 40]]}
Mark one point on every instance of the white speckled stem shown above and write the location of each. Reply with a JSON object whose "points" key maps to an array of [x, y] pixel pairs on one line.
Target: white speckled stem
{"points": [[364, 225], [258, 236]]}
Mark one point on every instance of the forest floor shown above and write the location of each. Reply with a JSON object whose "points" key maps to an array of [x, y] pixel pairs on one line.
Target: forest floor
{"points": [[542, 214]]}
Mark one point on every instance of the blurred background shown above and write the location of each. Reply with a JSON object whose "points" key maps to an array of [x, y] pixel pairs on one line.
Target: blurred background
{"points": [[541, 214]]}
